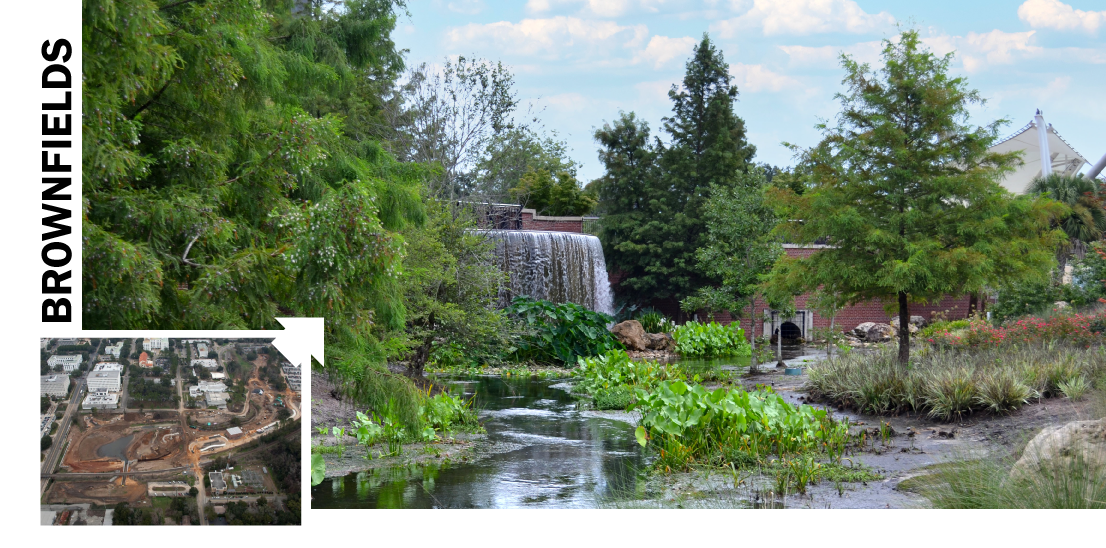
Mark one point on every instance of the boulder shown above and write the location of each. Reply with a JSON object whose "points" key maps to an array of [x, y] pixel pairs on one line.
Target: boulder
{"points": [[916, 323], [879, 332], [631, 334], [1061, 305], [862, 330], [1058, 447], [660, 341]]}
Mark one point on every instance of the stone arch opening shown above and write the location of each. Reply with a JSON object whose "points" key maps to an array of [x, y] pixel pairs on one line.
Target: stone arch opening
{"points": [[790, 331]]}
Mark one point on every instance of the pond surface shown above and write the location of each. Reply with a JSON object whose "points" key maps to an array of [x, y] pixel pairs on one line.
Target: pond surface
{"points": [[116, 449], [546, 455]]}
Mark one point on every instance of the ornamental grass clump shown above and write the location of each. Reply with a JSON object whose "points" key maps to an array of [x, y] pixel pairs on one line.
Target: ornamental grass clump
{"points": [[947, 383]]}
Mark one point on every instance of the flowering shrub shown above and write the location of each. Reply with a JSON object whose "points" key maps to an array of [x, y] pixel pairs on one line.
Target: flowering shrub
{"points": [[1077, 329]]}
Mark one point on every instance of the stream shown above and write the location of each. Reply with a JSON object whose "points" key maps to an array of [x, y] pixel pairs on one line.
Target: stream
{"points": [[545, 454], [542, 452]]}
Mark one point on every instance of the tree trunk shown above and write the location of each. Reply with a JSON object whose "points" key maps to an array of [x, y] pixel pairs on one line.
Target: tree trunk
{"points": [[904, 329], [753, 338], [832, 337]]}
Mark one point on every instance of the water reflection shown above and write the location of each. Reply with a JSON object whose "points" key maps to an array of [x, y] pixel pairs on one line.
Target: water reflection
{"points": [[556, 457]]}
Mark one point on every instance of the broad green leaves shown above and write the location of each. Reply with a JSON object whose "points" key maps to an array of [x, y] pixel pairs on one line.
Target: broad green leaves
{"points": [[710, 340], [561, 332]]}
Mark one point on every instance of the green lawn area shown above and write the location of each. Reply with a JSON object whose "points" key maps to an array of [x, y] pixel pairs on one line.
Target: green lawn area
{"points": [[161, 502]]}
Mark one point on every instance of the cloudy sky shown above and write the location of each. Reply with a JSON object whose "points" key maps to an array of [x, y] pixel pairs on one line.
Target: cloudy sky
{"points": [[583, 61]]}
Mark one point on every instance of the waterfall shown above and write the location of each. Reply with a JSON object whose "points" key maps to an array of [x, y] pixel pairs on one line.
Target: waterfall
{"points": [[555, 266]]}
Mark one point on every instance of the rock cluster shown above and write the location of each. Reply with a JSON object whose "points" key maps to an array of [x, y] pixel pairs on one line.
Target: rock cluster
{"points": [[875, 332]]}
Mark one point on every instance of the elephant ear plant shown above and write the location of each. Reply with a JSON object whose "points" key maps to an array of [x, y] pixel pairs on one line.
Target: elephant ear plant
{"points": [[560, 332]]}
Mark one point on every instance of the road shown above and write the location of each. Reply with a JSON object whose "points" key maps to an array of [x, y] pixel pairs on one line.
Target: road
{"points": [[53, 454], [197, 470]]}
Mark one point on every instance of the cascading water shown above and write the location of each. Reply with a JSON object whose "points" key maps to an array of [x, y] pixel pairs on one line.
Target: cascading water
{"points": [[555, 266]]}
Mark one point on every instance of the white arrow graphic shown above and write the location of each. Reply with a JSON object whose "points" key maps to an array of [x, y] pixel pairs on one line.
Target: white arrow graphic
{"points": [[300, 339]]}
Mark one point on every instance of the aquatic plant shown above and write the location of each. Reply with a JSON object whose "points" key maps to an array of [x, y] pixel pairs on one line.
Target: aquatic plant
{"points": [[560, 332], [610, 379], [318, 469], [711, 339], [691, 424]]}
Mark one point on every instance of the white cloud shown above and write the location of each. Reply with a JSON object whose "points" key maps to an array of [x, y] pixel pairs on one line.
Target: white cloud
{"points": [[662, 49], [654, 91], [755, 78], [597, 8], [552, 38], [800, 17], [995, 48], [827, 56], [1056, 88], [1053, 14], [467, 7]]}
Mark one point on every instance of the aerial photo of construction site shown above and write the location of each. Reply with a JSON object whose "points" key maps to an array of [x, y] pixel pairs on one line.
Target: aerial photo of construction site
{"points": [[158, 431]]}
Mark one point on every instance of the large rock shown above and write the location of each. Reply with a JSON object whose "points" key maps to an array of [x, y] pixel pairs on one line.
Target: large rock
{"points": [[631, 334], [861, 330], [1057, 447], [879, 332], [916, 322], [660, 341]]}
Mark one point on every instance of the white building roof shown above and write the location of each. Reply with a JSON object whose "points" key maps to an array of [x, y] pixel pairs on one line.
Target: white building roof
{"points": [[108, 366], [1065, 160]]}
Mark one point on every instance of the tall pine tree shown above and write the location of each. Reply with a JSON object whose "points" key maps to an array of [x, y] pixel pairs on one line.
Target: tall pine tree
{"points": [[653, 195]]}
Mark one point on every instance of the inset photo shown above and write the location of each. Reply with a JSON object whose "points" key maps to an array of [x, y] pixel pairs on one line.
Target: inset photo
{"points": [[165, 431]]}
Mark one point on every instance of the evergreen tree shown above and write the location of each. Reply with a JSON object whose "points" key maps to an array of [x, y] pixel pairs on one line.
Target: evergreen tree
{"points": [[232, 172], [906, 193], [653, 213]]}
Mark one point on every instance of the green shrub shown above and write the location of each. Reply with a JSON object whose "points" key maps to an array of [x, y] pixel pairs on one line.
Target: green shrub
{"points": [[711, 339], [655, 322], [1003, 391], [950, 392], [610, 379], [560, 332], [691, 424]]}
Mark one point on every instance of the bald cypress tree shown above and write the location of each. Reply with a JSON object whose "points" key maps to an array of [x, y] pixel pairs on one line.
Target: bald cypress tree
{"points": [[906, 193]]}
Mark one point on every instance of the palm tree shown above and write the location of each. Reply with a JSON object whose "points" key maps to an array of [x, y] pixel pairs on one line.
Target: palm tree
{"points": [[1087, 221]]}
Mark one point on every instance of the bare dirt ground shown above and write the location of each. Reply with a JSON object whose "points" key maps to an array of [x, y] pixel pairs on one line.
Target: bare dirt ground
{"points": [[70, 492]]}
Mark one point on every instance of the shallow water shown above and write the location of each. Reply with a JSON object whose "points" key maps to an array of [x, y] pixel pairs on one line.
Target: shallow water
{"points": [[555, 457], [116, 449]]}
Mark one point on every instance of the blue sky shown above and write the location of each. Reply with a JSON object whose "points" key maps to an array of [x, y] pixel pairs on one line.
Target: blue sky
{"points": [[582, 61]]}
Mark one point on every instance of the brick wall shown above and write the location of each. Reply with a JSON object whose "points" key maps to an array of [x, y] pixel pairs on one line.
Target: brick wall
{"points": [[848, 318], [531, 221]]}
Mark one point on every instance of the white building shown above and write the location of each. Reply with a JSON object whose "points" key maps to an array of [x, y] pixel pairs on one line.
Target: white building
{"points": [[206, 387], [55, 385], [114, 350], [106, 380], [108, 366], [100, 400], [43, 343], [68, 363], [155, 344], [202, 349], [206, 363]]}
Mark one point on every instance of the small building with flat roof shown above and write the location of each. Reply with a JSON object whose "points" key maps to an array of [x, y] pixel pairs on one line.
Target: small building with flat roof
{"points": [[56, 385]]}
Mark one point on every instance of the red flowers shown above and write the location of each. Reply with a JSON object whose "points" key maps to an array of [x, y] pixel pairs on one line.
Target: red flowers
{"points": [[1074, 328]]}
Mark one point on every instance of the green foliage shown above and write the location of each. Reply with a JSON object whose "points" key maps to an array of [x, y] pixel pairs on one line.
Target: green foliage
{"points": [[450, 289], [690, 424], [1086, 221], [739, 248], [610, 379], [318, 469], [653, 321], [907, 194], [653, 196], [513, 153], [557, 194], [711, 339], [47, 441], [560, 332]]}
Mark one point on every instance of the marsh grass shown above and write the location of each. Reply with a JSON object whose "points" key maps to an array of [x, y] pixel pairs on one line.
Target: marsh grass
{"points": [[988, 483], [947, 384]]}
